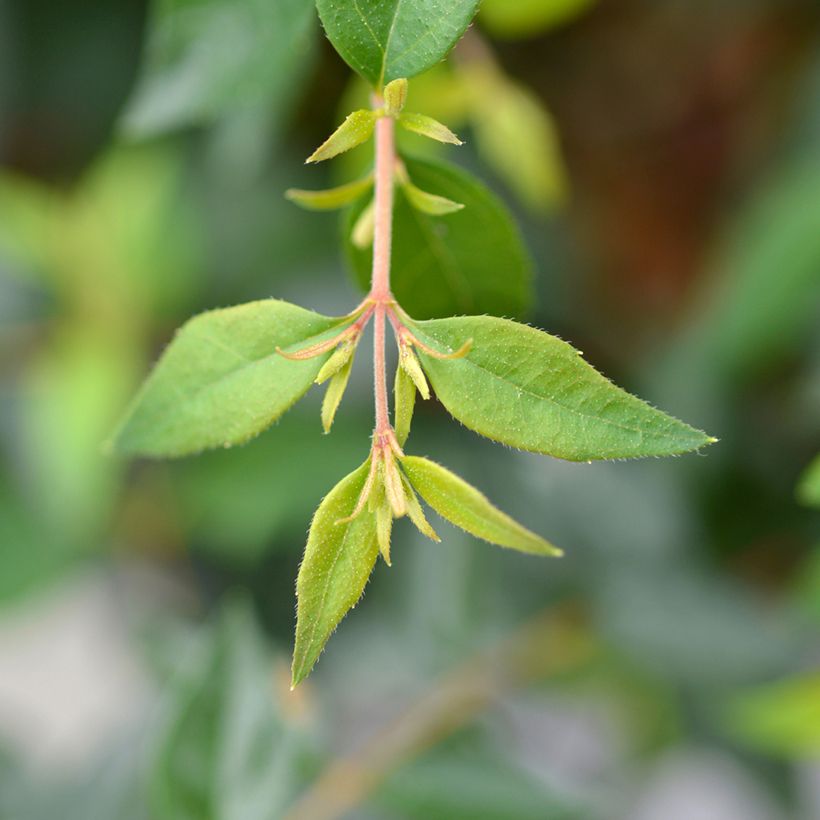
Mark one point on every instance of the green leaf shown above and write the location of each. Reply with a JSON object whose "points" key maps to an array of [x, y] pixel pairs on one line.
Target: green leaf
{"points": [[428, 127], [334, 394], [430, 204], [529, 18], [473, 261], [530, 390], [332, 198], [356, 129], [221, 381], [463, 505], [404, 393], [339, 558], [208, 59], [222, 727], [393, 39], [808, 488]]}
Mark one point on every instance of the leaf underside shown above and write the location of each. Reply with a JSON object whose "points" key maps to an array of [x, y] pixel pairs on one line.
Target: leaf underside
{"points": [[385, 40], [339, 558], [463, 505], [472, 261], [220, 381], [529, 390]]}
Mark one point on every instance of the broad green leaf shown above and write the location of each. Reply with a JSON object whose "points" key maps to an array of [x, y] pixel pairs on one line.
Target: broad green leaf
{"points": [[221, 380], [473, 261], [404, 394], [525, 388], [208, 59], [463, 505], [808, 489], [339, 558], [428, 127], [224, 750], [356, 129], [528, 18], [385, 40], [332, 198]]}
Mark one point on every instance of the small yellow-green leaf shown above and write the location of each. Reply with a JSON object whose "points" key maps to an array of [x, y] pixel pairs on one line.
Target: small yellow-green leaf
{"points": [[331, 199], [404, 392], [339, 558], [334, 394], [416, 514], [340, 357], [808, 488], [432, 204], [428, 127], [356, 129], [384, 529], [527, 389], [361, 235], [221, 381], [395, 97], [408, 361], [463, 505]]}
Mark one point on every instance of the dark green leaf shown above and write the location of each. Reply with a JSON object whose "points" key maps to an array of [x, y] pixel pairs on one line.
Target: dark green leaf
{"points": [[473, 261], [530, 390], [221, 381], [385, 40], [339, 558], [454, 499]]}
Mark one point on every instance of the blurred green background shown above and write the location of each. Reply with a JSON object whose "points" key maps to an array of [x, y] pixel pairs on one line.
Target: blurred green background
{"points": [[663, 158]]}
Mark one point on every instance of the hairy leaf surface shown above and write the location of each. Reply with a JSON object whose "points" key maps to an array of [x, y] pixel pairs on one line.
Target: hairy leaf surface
{"points": [[339, 558], [463, 505], [385, 40], [530, 390], [221, 381], [472, 261]]}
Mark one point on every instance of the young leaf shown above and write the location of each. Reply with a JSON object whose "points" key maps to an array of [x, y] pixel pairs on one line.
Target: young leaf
{"points": [[404, 393], [334, 394], [356, 129], [384, 529], [339, 558], [473, 261], [431, 204], [415, 513], [454, 499], [808, 488], [428, 127], [530, 390], [393, 39], [361, 233], [221, 381], [338, 359], [395, 97], [332, 198]]}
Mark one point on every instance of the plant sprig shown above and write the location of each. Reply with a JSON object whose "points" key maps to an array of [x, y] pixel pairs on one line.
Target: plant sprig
{"points": [[230, 373]]}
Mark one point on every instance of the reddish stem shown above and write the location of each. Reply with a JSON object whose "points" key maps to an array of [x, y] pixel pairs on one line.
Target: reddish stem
{"points": [[380, 283]]}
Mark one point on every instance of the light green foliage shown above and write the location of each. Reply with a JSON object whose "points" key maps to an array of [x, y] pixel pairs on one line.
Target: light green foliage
{"points": [[387, 40], [530, 390], [808, 489], [339, 558], [430, 204], [224, 751], [356, 129], [780, 718], [527, 18], [205, 60], [221, 380], [473, 261], [333, 198], [334, 394], [454, 499], [404, 393], [395, 97], [428, 127]]}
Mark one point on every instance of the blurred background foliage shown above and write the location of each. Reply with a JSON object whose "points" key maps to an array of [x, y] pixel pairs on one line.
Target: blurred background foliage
{"points": [[663, 158]]}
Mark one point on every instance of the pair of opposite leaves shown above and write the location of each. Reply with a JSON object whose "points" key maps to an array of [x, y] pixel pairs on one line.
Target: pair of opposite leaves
{"points": [[222, 381]]}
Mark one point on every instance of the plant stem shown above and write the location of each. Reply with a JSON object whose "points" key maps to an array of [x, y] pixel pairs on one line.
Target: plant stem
{"points": [[380, 282]]}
